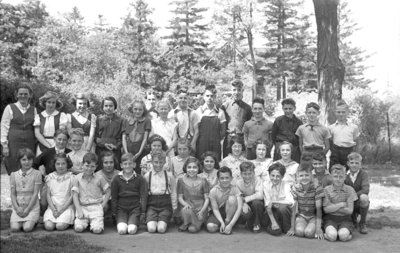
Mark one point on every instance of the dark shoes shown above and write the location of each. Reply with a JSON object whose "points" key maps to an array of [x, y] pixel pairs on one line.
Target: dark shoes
{"points": [[363, 229]]}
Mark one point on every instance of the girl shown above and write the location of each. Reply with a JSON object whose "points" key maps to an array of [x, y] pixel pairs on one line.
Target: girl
{"points": [[165, 127], [25, 184], [109, 129], [49, 121], [261, 162], [128, 197], [82, 118], [60, 213], [157, 144], [193, 196], [235, 157], [135, 133], [76, 155], [17, 127], [177, 162], [210, 168], [108, 166], [285, 150]]}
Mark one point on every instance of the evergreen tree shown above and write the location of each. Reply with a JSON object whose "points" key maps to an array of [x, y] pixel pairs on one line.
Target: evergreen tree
{"points": [[353, 57], [288, 57], [187, 55]]}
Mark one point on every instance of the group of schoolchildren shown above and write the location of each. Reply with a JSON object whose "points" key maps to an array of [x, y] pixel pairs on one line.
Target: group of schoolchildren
{"points": [[293, 193]]}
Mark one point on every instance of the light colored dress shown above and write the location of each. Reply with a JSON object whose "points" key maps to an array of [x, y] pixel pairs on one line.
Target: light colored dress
{"points": [[49, 127], [77, 158], [24, 184], [211, 178], [233, 163], [291, 171], [261, 168], [165, 129], [60, 191]]}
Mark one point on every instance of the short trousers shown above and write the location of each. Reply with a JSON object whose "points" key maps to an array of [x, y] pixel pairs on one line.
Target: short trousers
{"points": [[159, 208], [93, 216], [304, 220], [213, 219], [338, 222], [128, 216]]}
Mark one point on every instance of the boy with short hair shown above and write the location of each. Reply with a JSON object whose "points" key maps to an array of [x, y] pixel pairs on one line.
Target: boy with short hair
{"points": [[313, 136], [128, 197], [278, 200], [321, 176], [209, 125], [257, 128], [162, 199], [226, 203], [358, 179], [338, 206], [344, 136], [284, 129], [308, 201], [251, 188], [90, 193]]}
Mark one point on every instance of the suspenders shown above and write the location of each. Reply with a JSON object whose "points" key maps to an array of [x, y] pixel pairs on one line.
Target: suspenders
{"points": [[176, 120], [166, 182]]}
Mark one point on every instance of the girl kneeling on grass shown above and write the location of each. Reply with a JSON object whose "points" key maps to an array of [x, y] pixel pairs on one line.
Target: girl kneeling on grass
{"points": [[193, 196], [60, 212], [25, 184]]}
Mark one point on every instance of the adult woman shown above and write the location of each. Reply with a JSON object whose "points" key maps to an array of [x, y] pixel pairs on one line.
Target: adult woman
{"points": [[17, 127], [285, 150], [49, 121], [82, 118]]}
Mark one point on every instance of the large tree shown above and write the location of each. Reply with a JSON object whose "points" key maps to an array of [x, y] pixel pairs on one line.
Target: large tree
{"points": [[288, 59], [330, 67]]}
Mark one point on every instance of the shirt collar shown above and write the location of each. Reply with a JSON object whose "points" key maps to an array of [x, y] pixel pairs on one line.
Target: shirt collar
{"points": [[205, 107], [258, 122], [20, 105], [45, 114], [313, 125], [341, 123], [353, 175], [58, 151], [121, 174], [133, 121], [25, 173]]}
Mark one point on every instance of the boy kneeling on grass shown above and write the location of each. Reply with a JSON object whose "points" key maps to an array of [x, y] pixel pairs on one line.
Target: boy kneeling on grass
{"points": [[358, 179], [91, 193], [226, 203], [306, 211], [338, 206]]}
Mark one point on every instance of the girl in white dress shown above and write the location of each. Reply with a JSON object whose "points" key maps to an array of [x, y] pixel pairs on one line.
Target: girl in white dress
{"points": [[261, 162], [49, 121], [285, 149], [60, 213]]}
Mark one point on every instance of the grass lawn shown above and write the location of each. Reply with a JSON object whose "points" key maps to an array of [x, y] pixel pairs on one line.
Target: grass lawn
{"points": [[31, 243]]}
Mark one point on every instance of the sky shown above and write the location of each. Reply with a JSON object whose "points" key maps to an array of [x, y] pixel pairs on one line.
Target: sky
{"points": [[379, 34]]}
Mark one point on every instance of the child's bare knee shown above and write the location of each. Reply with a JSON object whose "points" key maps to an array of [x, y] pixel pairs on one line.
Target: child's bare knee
{"points": [[15, 227], [28, 226], [132, 229], [309, 232], [212, 228], [331, 233], [79, 228], [49, 226], [62, 226], [152, 227], [344, 234], [161, 227], [299, 230], [193, 229], [97, 230], [122, 228], [231, 201]]}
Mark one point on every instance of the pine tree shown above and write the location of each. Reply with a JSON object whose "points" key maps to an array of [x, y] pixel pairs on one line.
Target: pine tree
{"points": [[353, 57], [139, 43], [186, 56], [288, 57]]}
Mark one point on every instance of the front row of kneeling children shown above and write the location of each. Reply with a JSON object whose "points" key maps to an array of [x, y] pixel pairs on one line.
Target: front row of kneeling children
{"points": [[319, 205]]}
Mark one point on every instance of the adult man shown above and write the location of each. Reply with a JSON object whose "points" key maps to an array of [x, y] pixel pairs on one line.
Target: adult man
{"points": [[183, 115]]}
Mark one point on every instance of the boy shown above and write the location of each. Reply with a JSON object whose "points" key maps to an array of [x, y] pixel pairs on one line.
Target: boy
{"points": [[284, 129], [162, 199], [308, 200], [321, 176], [312, 135], [90, 194], [358, 179], [256, 128], [278, 201], [226, 203], [183, 115], [128, 197], [237, 112], [77, 153], [209, 126], [338, 206], [344, 136], [251, 188]]}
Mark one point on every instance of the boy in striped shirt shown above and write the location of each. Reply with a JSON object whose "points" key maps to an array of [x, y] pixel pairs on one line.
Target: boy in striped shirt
{"points": [[306, 222]]}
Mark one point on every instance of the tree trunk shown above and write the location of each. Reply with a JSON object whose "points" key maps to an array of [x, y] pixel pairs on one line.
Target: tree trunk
{"points": [[330, 68]]}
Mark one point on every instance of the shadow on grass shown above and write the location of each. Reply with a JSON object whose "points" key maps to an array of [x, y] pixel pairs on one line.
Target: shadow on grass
{"points": [[30, 243], [5, 219]]}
